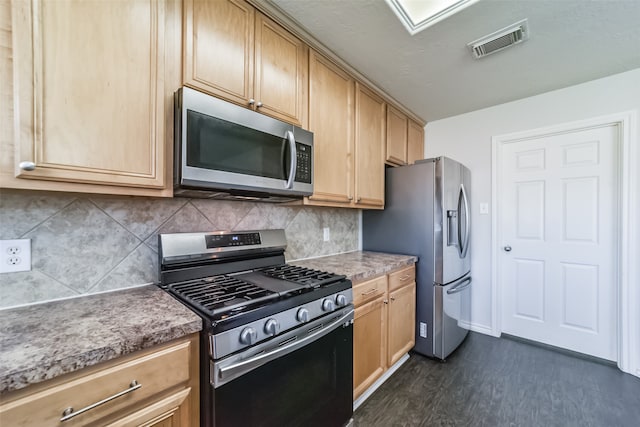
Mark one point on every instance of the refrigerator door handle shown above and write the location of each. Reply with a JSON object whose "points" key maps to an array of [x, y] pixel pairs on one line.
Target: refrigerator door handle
{"points": [[464, 243], [460, 286]]}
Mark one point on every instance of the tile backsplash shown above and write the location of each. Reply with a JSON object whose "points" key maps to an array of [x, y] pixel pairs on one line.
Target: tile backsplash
{"points": [[83, 244]]}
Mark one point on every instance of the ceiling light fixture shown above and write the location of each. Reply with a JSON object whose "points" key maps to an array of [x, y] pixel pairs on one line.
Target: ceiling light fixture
{"points": [[416, 15]]}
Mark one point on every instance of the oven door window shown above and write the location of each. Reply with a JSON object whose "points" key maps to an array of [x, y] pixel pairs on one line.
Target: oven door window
{"points": [[219, 145], [311, 386]]}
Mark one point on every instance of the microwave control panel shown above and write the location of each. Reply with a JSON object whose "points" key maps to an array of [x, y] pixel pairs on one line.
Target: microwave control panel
{"points": [[303, 170]]}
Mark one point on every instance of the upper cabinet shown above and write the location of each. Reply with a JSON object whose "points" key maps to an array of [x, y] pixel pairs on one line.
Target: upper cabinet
{"points": [[91, 105], [331, 119], [234, 52], [348, 122], [415, 142], [405, 139], [369, 153], [396, 137]]}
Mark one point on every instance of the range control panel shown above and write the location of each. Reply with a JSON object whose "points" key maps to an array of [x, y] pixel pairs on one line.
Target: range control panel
{"points": [[229, 240]]}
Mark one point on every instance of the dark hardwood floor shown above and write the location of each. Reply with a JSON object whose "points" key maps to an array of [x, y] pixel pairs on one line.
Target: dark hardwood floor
{"points": [[502, 382]]}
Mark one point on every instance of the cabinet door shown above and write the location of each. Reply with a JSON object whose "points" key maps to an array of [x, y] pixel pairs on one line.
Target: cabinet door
{"points": [[172, 411], [90, 81], [415, 142], [369, 344], [218, 48], [396, 137], [370, 146], [281, 72], [402, 319], [331, 108]]}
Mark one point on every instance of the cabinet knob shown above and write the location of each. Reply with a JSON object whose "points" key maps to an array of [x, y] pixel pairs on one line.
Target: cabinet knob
{"points": [[252, 101], [259, 104], [27, 166]]}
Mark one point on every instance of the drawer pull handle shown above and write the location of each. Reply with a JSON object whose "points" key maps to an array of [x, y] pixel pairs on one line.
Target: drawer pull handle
{"points": [[70, 413], [369, 292], [403, 278]]}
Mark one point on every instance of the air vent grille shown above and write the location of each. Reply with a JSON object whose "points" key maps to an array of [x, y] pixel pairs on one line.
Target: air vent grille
{"points": [[501, 39]]}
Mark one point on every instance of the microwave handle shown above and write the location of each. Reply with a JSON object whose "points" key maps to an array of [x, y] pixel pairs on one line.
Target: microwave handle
{"points": [[294, 159]]}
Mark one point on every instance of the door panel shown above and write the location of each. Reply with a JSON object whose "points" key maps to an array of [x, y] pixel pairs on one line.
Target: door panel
{"points": [[558, 198], [451, 177]]}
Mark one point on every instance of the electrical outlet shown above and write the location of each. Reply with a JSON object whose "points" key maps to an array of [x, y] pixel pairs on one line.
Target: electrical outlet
{"points": [[326, 234], [15, 255]]}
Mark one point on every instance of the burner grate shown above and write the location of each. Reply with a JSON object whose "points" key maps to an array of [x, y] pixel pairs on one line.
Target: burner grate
{"points": [[221, 296], [301, 275]]}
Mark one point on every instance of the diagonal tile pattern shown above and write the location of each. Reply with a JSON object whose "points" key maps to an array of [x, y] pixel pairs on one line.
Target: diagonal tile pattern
{"points": [[85, 244], [79, 245]]}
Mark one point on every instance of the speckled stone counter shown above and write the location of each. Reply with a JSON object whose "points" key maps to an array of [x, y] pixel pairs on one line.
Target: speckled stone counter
{"points": [[43, 341], [359, 265]]}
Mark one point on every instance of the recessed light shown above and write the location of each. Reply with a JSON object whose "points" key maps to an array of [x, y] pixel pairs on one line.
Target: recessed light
{"points": [[416, 15]]}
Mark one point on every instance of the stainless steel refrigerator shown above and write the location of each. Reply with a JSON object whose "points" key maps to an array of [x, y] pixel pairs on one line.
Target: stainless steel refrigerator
{"points": [[427, 214]]}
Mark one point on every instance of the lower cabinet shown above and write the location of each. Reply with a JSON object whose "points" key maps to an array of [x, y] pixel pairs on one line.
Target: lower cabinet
{"points": [[369, 344], [384, 325], [157, 387]]}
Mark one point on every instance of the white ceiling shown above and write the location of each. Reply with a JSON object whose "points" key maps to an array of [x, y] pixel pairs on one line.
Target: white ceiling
{"points": [[434, 74]]}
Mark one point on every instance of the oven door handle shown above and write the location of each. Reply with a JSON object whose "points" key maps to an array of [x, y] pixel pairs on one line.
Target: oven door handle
{"points": [[225, 374]]}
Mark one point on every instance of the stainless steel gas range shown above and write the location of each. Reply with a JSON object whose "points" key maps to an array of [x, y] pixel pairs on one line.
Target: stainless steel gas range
{"points": [[277, 342]]}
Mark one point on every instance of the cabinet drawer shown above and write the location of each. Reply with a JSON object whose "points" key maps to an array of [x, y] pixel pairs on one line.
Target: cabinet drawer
{"points": [[154, 372], [402, 277], [366, 291]]}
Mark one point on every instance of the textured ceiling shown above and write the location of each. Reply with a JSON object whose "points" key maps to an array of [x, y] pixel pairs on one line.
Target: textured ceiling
{"points": [[433, 72]]}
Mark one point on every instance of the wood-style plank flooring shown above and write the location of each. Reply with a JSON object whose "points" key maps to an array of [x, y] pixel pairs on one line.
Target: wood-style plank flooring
{"points": [[502, 382]]}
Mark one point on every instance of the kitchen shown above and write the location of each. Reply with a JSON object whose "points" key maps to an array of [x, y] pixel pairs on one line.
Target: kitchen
{"points": [[70, 220]]}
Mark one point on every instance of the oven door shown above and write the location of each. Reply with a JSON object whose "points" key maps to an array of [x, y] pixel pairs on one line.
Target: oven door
{"points": [[302, 378]]}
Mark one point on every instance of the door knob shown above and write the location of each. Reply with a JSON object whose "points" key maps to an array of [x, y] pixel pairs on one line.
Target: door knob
{"points": [[507, 248]]}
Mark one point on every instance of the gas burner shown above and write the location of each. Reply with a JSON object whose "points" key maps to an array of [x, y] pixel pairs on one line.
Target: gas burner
{"points": [[222, 295], [301, 275]]}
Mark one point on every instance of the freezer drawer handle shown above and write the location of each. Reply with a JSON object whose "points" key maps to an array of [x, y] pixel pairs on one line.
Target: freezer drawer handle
{"points": [[460, 286]]}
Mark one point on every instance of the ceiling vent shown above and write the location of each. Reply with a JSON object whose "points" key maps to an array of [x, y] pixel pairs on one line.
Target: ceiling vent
{"points": [[501, 39]]}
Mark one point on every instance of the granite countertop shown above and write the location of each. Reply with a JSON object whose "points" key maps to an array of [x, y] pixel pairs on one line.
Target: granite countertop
{"points": [[359, 265], [43, 341]]}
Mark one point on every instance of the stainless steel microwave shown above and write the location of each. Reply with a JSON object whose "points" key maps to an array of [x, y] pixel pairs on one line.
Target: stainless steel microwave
{"points": [[223, 150]]}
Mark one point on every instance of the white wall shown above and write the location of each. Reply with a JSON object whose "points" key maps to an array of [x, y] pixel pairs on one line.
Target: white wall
{"points": [[467, 138]]}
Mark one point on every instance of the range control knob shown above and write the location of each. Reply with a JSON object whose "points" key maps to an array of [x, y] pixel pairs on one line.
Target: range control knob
{"points": [[248, 336], [341, 300], [271, 327], [303, 315], [328, 305]]}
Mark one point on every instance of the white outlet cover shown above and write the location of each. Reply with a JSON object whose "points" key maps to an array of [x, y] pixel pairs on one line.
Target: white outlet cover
{"points": [[326, 234], [484, 208], [15, 255]]}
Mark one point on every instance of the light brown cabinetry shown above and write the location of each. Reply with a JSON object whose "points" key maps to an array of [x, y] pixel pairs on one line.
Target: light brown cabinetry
{"points": [[93, 88], [331, 119], [234, 52], [405, 139], [348, 121], [396, 137], [415, 142], [384, 325], [155, 387], [369, 148]]}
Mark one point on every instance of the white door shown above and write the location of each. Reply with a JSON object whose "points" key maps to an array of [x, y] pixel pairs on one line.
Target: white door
{"points": [[557, 224]]}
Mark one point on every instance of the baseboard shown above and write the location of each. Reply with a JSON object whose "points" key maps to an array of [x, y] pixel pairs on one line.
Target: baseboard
{"points": [[476, 327], [368, 392]]}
